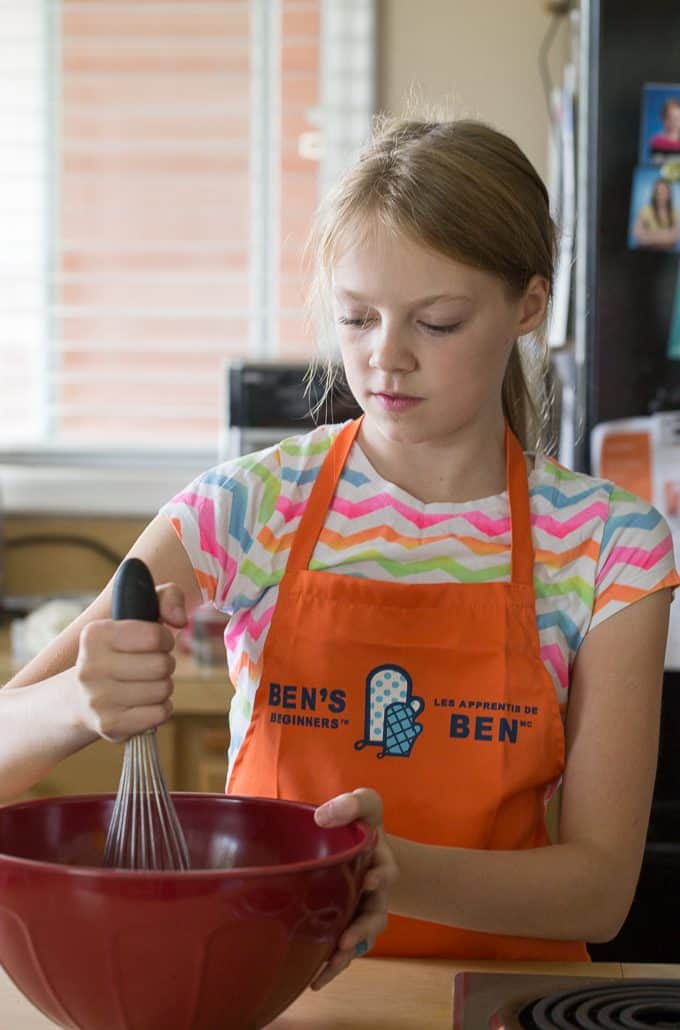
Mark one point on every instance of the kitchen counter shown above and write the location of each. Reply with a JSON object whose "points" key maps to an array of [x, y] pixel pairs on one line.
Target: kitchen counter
{"points": [[373, 994], [199, 689], [192, 744]]}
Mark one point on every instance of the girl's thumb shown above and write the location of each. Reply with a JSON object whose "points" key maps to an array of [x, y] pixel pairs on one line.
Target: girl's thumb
{"points": [[171, 605]]}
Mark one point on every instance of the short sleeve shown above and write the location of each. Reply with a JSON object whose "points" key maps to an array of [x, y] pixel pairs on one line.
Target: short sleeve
{"points": [[217, 516], [636, 555]]}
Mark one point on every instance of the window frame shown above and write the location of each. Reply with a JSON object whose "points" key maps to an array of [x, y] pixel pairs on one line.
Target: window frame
{"points": [[60, 479]]}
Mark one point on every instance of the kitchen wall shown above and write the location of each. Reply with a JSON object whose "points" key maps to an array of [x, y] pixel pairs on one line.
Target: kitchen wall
{"points": [[481, 56]]}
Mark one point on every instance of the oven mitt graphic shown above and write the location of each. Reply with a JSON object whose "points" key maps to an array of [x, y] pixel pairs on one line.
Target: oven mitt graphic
{"points": [[387, 686], [401, 728]]}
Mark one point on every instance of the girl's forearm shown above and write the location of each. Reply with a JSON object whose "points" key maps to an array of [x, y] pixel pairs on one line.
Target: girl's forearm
{"points": [[656, 237], [38, 728], [561, 892]]}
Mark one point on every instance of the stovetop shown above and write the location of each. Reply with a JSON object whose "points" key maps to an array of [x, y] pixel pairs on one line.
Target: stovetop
{"points": [[512, 1001]]}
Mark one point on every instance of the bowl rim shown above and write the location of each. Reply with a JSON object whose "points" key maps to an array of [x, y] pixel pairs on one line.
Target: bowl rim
{"points": [[168, 876]]}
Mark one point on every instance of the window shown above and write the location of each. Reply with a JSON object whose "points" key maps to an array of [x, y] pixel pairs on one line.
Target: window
{"points": [[160, 164]]}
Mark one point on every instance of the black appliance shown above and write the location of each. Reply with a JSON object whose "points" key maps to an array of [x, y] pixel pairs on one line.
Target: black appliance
{"points": [[267, 401], [533, 1001]]}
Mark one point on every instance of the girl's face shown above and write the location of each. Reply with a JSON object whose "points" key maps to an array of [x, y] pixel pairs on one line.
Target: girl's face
{"points": [[425, 340], [671, 120], [662, 192]]}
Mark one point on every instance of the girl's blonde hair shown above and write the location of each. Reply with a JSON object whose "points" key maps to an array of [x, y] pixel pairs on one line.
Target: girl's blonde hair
{"points": [[468, 192]]}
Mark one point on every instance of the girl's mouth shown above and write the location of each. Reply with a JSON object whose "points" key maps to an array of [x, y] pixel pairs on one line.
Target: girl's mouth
{"points": [[396, 402]]}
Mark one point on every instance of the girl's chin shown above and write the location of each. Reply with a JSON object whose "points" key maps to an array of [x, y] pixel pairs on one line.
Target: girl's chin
{"points": [[404, 430], [414, 428]]}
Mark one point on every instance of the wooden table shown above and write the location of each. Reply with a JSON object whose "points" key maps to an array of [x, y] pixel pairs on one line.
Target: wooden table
{"points": [[373, 994]]}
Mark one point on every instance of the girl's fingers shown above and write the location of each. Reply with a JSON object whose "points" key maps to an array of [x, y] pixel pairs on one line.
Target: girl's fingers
{"points": [[383, 871], [117, 727], [336, 964], [338, 811], [157, 666], [362, 932], [371, 920], [171, 604], [370, 806], [363, 804]]}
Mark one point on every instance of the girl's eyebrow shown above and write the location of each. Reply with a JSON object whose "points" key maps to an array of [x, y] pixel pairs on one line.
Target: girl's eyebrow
{"points": [[417, 303]]}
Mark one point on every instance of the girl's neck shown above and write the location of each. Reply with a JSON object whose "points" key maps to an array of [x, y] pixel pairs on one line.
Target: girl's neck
{"points": [[468, 465]]}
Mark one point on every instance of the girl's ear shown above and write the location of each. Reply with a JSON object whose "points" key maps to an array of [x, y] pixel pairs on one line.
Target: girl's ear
{"points": [[534, 305]]}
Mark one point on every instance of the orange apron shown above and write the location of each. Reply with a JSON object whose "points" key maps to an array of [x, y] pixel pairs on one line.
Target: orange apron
{"points": [[435, 695]]}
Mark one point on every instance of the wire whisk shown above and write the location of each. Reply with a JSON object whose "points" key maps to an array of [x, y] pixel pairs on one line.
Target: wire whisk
{"points": [[144, 831]]}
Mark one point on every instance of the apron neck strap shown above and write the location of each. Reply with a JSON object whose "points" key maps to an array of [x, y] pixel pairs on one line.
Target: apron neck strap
{"points": [[314, 515], [520, 511]]}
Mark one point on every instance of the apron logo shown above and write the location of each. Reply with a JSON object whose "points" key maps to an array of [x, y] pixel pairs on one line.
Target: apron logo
{"points": [[390, 712]]}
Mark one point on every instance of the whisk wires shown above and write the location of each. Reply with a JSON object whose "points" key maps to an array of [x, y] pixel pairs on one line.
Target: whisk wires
{"points": [[144, 832]]}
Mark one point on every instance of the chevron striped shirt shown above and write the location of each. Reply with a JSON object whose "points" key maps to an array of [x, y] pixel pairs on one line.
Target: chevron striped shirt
{"points": [[597, 547]]}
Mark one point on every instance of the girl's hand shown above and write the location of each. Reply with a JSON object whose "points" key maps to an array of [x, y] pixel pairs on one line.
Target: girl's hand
{"points": [[124, 670], [371, 916]]}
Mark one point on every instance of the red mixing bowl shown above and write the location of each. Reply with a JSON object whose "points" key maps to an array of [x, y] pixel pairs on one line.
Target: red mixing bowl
{"points": [[211, 949]]}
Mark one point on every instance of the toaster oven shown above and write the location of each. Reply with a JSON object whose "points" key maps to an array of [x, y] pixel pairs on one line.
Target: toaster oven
{"points": [[266, 401]]}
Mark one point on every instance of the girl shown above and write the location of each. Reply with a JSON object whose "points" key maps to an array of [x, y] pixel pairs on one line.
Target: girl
{"points": [[425, 614], [657, 222], [667, 142]]}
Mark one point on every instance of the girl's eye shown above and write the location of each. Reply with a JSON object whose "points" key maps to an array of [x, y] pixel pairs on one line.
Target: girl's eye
{"points": [[441, 329], [356, 323], [363, 323]]}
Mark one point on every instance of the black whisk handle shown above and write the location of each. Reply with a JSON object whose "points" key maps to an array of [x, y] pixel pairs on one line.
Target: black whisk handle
{"points": [[134, 593]]}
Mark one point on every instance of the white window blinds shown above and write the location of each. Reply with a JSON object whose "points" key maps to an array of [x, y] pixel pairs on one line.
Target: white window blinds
{"points": [[24, 220], [160, 163]]}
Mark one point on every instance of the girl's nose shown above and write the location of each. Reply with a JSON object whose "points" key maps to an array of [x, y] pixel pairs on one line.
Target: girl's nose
{"points": [[390, 351]]}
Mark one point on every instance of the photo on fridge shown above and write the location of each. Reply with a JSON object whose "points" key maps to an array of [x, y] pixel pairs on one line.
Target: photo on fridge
{"points": [[654, 222], [660, 122]]}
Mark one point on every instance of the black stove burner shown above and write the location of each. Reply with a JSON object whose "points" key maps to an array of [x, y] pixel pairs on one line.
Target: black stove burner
{"points": [[624, 1005]]}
